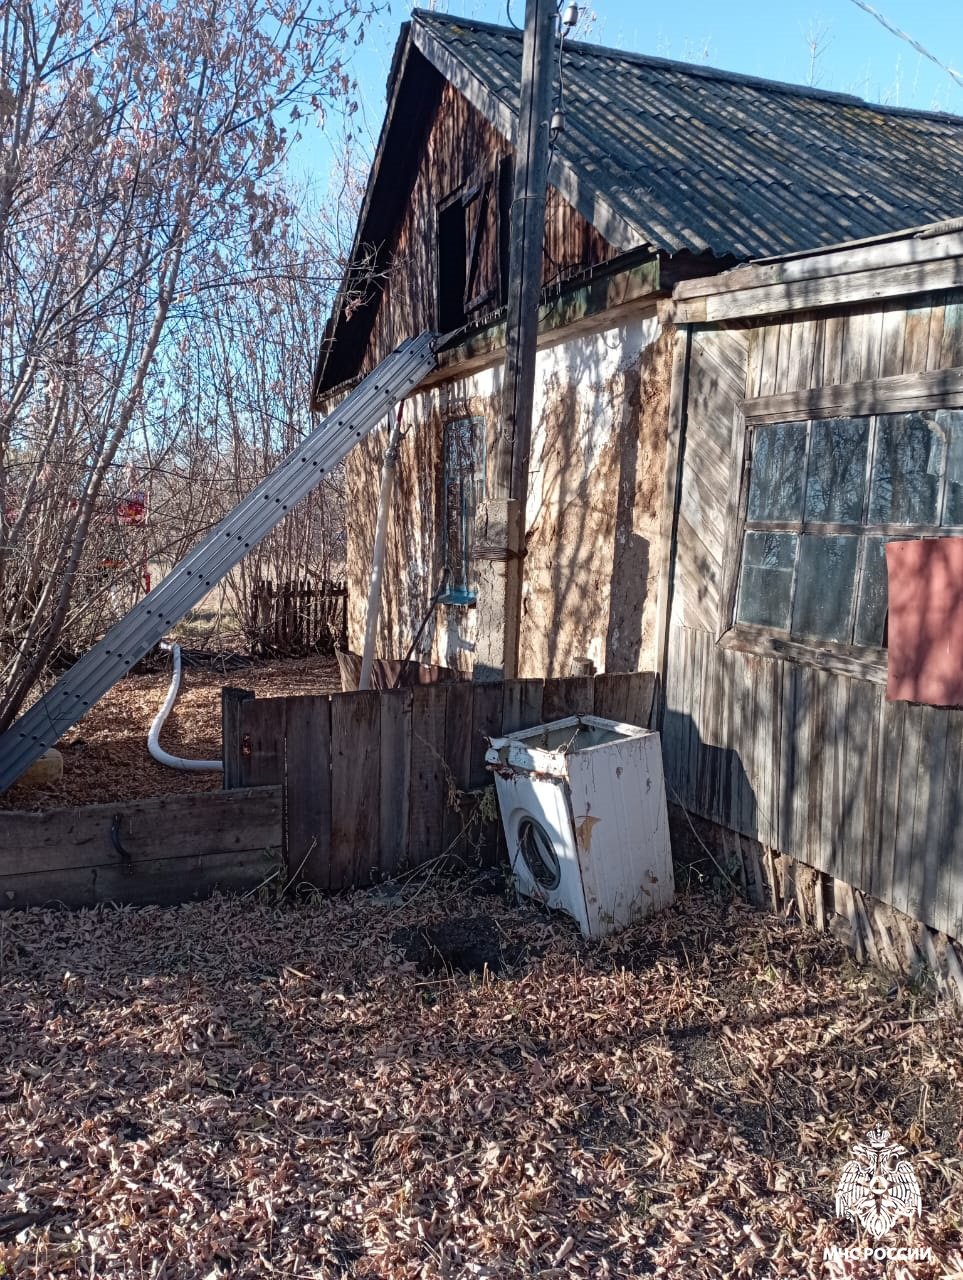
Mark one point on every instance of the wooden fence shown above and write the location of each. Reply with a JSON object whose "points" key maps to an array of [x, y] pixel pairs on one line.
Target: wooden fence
{"points": [[376, 782], [292, 619], [163, 850]]}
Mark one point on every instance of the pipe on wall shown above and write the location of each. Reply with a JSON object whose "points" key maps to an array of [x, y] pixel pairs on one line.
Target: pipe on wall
{"points": [[378, 556]]}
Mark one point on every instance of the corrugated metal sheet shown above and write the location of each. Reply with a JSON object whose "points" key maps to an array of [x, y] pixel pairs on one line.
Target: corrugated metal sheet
{"points": [[700, 160]]}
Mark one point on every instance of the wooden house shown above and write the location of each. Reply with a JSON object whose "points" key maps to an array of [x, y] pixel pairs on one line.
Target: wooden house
{"points": [[818, 420], [664, 172]]}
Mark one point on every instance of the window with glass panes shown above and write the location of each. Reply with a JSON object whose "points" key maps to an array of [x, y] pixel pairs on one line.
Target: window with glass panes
{"points": [[464, 481], [825, 496]]}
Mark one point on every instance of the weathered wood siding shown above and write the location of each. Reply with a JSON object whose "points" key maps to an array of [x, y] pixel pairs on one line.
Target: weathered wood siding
{"points": [[593, 516], [813, 764], [462, 146], [376, 783], [165, 850]]}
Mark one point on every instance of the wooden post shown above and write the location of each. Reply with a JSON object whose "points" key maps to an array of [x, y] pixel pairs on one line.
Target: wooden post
{"points": [[231, 700], [501, 520]]}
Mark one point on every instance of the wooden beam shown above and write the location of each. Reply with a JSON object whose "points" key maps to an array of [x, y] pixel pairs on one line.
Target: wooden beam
{"points": [[828, 290], [164, 850], [671, 486], [842, 260], [231, 700], [600, 304], [938, 389], [500, 598], [608, 298], [758, 640]]}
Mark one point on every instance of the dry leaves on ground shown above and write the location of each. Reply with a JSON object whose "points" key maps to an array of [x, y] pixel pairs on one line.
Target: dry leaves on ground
{"points": [[105, 755], [234, 1088]]}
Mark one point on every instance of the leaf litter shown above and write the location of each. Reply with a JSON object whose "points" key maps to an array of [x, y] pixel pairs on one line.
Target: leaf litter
{"points": [[105, 754], [247, 1088]]}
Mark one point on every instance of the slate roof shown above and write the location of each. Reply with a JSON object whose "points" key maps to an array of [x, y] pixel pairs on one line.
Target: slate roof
{"points": [[684, 157], [659, 156]]}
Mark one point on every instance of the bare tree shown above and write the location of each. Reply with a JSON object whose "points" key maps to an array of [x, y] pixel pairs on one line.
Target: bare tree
{"points": [[244, 404], [140, 146]]}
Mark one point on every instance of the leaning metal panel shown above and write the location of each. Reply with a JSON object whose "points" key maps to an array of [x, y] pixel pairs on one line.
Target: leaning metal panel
{"points": [[201, 569]]}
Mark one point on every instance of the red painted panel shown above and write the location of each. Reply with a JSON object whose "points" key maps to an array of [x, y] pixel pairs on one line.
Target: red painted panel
{"points": [[926, 621]]}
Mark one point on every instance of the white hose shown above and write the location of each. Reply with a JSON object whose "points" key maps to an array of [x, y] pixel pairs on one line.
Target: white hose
{"points": [[153, 738]]}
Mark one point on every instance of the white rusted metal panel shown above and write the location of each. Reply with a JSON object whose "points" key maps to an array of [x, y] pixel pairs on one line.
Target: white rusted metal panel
{"points": [[583, 806]]}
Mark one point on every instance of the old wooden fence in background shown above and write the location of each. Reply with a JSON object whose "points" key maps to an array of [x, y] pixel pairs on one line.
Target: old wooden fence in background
{"points": [[377, 782], [292, 619]]}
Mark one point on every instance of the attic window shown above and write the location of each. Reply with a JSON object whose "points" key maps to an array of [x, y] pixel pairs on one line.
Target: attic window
{"points": [[451, 265], [473, 227]]}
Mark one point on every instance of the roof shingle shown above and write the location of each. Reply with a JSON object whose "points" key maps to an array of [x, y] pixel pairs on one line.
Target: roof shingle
{"points": [[687, 158]]}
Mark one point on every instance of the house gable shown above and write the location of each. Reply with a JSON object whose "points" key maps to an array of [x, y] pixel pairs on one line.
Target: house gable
{"points": [[444, 263]]}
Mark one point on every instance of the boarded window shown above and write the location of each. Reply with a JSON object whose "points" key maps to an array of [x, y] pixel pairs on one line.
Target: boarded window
{"points": [[825, 497], [464, 489], [925, 578]]}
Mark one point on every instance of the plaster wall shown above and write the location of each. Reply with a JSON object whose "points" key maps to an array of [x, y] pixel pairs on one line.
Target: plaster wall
{"points": [[592, 515]]}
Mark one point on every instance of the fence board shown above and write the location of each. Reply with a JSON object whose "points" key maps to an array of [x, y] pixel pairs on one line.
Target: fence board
{"points": [[568, 696], [173, 848], [522, 706], [486, 723], [395, 779], [427, 803], [261, 724], [379, 800], [231, 757], [355, 788], [626, 698], [486, 720], [162, 882], [308, 851], [458, 752]]}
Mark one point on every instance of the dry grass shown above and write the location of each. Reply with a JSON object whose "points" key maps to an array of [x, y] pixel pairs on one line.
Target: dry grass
{"points": [[239, 1089], [105, 755]]}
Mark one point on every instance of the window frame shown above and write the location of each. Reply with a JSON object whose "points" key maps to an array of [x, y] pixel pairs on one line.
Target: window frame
{"points": [[905, 393], [483, 201], [452, 595], [446, 291]]}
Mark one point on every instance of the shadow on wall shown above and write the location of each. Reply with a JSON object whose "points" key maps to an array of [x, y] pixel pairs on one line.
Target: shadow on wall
{"points": [[822, 768], [701, 778], [413, 540], [598, 480]]}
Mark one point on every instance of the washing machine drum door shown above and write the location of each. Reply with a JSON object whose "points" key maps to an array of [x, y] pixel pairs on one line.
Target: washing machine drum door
{"points": [[538, 852]]}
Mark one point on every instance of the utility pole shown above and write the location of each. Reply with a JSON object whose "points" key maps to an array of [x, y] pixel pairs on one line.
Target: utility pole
{"points": [[500, 525]]}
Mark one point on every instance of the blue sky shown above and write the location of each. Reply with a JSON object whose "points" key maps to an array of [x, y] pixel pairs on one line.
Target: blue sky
{"points": [[853, 52]]}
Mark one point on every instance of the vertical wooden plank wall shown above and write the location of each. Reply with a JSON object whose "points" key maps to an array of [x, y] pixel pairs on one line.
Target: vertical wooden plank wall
{"points": [[810, 763], [378, 782]]}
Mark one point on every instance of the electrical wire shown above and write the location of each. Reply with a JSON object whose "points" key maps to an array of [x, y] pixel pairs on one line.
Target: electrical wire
{"points": [[560, 96], [914, 44]]}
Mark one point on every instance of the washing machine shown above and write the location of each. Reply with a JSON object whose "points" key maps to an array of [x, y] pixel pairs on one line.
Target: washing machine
{"points": [[582, 803]]}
